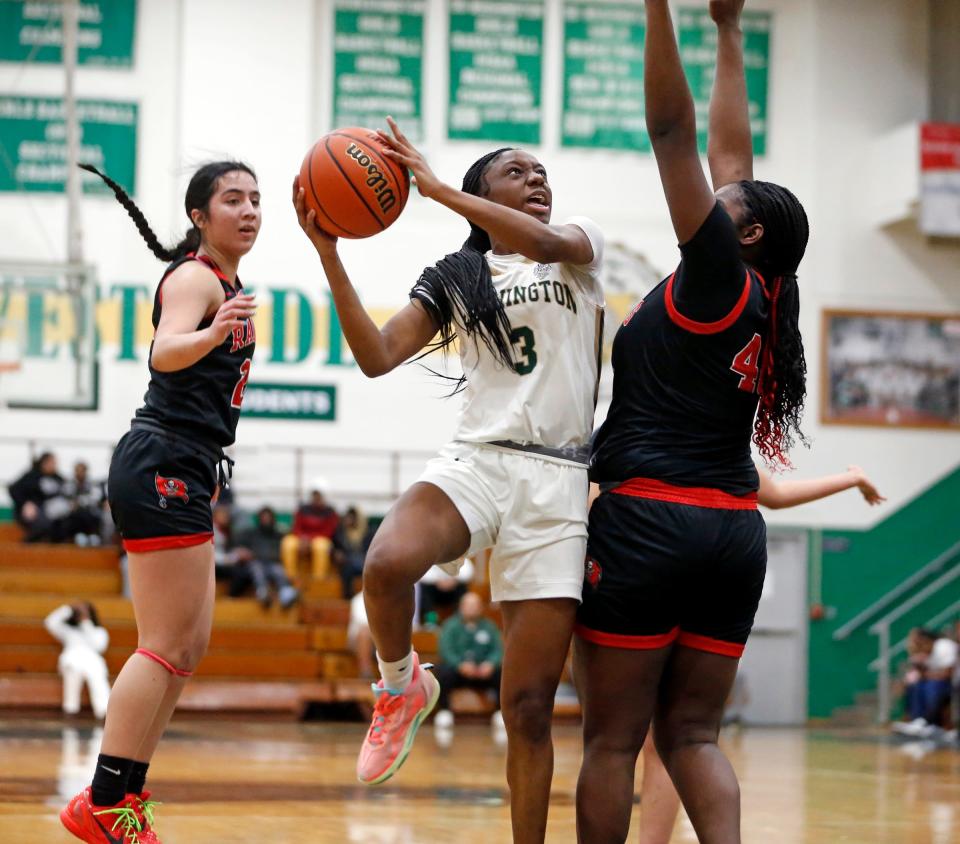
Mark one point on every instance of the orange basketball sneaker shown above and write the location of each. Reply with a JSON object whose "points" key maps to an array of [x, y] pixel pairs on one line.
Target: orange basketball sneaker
{"points": [[120, 824], [396, 718]]}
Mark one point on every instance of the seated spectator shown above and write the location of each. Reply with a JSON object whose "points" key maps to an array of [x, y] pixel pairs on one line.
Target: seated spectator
{"points": [[225, 556], [359, 638], [257, 553], [314, 526], [39, 505], [350, 544], [439, 592], [927, 684], [84, 641], [471, 652], [85, 519]]}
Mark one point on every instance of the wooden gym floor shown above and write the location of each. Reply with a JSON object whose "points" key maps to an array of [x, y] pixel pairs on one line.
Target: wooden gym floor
{"points": [[269, 781]]}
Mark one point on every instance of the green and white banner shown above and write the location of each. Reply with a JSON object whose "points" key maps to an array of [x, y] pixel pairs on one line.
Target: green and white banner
{"points": [[603, 75], [310, 402], [496, 59], [378, 64], [32, 31], [697, 35], [33, 145]]}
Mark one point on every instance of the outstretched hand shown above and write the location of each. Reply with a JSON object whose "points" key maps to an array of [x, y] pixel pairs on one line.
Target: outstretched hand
{"points": [[400, 149], [725, 12], [869, 492], [324, 243]]}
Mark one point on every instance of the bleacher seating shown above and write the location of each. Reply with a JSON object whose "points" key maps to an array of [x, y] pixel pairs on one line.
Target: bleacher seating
{"points": [[261, 660]]}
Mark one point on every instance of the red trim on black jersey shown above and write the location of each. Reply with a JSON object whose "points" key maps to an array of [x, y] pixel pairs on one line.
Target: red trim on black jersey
{"points": [[163, 543], [714, 499], [695, 327], [712, 646], [619, 640]]}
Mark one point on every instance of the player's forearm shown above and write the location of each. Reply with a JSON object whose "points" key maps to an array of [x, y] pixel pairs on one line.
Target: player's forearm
{"points": [[793, 493], [730, 147], [518, 231], [669, 104], [173, 352], [364, 338]]}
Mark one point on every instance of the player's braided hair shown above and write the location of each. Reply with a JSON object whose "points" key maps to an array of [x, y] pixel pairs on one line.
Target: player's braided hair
{"points": [[783, 376], [202, 185], [466, 285]]}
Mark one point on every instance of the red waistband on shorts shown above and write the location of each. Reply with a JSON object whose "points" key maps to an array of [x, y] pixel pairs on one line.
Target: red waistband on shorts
{"points": [[164, 543], [715, 499]]}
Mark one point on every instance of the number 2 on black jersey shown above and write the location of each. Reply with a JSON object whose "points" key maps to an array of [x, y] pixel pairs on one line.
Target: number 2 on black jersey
{"points": [[747, 365], [237, 398]]}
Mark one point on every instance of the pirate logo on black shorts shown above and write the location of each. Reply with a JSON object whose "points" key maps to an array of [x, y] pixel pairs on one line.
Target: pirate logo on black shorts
{"points": [[168, 488], [592, 572]]}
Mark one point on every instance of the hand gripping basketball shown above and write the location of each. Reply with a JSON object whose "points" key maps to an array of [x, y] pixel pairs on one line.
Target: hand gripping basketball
{"points": [[399, 149], [324, 243]]}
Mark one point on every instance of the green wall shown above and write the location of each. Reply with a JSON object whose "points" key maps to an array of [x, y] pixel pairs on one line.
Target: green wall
{"points": [[859, 567]]}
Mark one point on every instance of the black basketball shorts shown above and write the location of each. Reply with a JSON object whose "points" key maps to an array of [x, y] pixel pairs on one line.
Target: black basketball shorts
{"points": [[160, 489], [670, 564]]}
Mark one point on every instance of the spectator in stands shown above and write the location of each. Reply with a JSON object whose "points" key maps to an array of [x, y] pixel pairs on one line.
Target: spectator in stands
{"points": [[225, 556], [927, 684], [439, 592], [314, 525], [258, 554], [84, 641], [471, 652], [39, 505], [358, 637], [85, 520], [350, 544]]}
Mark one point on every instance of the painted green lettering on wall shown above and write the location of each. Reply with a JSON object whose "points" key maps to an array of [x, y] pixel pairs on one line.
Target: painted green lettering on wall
{"points": [[37, 318], [305, 340], [335, 337], [129, 294]]}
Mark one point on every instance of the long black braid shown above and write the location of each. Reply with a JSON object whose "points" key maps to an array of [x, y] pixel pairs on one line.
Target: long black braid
{"points": [[202, 186], [459, 287], [783, 381]]}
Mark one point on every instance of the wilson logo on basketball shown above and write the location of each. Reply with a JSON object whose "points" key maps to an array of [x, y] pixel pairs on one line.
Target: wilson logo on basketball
{"points": [[376, 180]]}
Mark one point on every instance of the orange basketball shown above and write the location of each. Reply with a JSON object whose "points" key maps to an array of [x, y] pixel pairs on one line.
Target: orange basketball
{"points": [[354, 188]]}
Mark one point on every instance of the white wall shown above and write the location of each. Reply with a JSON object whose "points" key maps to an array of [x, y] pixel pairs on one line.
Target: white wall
{"points": [[251, 79]]}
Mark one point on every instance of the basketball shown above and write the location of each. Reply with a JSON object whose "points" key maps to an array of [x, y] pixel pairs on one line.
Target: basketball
{"points": [[355, 190]]}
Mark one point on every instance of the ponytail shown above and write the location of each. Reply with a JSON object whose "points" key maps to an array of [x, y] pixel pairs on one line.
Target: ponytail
{"points": [[202, 186]]}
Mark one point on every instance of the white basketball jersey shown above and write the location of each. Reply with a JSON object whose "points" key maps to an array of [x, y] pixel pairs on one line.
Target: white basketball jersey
{"points": [[556, 312]]}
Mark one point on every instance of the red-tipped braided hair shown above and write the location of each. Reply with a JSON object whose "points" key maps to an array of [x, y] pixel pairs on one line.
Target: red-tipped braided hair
{"points": [[783, 373]]}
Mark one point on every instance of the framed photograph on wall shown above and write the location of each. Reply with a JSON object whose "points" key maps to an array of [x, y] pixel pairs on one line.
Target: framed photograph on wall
{"points": [[891, 369]]}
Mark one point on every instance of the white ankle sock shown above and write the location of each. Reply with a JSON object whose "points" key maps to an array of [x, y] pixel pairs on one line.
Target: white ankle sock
{"points": [[397, 675]]}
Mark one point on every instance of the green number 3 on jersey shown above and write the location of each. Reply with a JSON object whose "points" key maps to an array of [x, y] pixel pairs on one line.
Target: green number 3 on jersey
{"points": [[524, 337]]}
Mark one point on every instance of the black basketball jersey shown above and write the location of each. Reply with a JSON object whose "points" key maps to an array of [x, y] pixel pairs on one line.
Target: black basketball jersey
{"points": [[686, 366], [204, 399]]}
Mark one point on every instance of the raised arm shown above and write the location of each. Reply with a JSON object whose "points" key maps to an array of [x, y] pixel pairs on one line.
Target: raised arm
{"points": [[377, 351], [672, 125], [520, 232], [778, 495], [730, 145]]}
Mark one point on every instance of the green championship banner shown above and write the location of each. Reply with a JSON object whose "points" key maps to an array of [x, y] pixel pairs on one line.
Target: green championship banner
{"points": [[378, 64], [308, 402], [33, 143], [698, 51], [33, 31], [603, 75], [496, 58]]}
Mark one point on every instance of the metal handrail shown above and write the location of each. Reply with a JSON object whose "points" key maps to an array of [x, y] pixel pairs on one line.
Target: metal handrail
{"points": [[932, 624], [860, 618], [918, 598]]}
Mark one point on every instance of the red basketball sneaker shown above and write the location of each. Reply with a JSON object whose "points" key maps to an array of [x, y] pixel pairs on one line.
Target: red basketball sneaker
{"points": [[144, 807], [118, 824]]}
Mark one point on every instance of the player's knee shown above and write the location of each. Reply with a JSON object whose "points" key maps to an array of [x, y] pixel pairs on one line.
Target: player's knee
{"points": [[528, 713], [674, 734], [386, 570], [182, 653]]}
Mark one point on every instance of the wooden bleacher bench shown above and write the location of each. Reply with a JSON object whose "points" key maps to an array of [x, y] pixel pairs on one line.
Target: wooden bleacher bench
{"points": [[259, 660]]}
